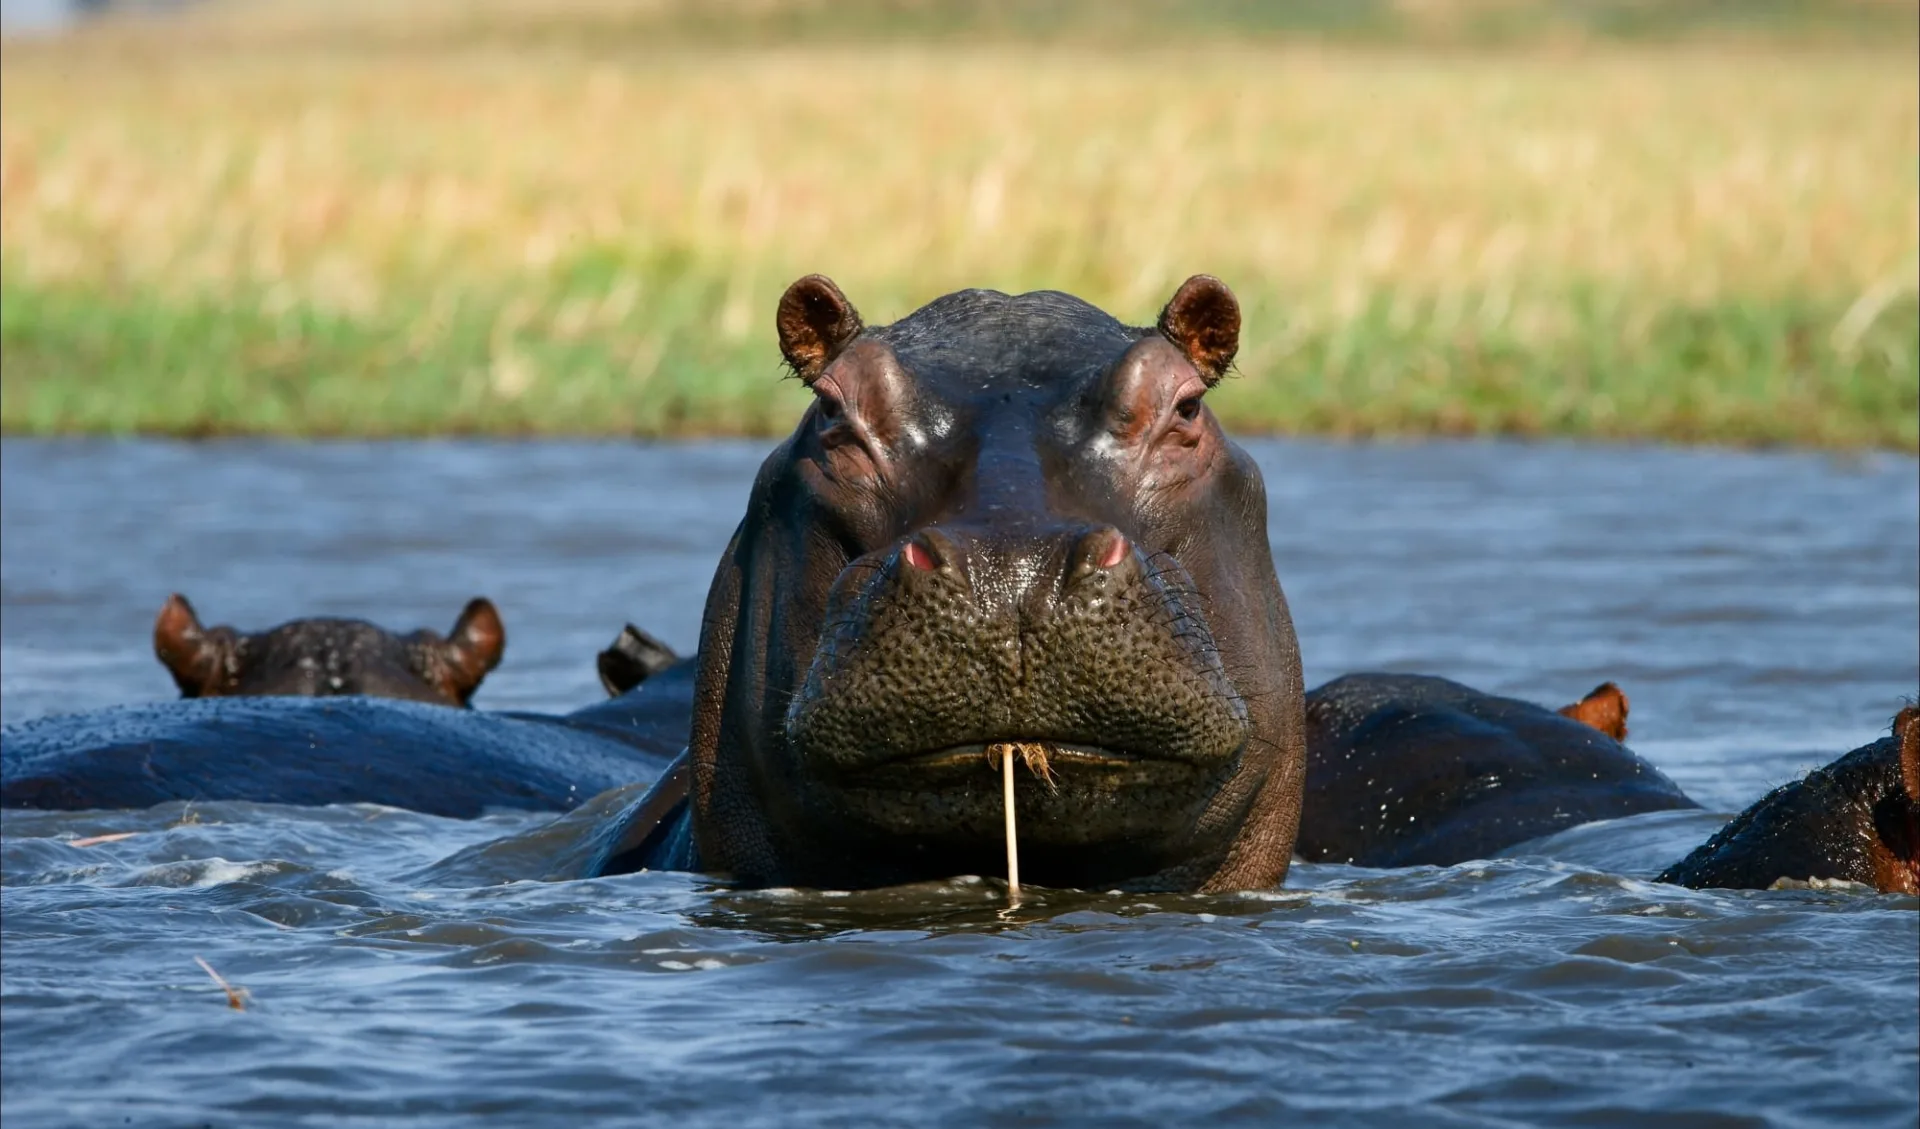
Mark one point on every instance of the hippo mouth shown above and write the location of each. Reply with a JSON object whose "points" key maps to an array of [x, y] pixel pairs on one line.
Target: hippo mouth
{"points": [[1089, 814], [969, 755], [1043, 757], [1056, 768]]}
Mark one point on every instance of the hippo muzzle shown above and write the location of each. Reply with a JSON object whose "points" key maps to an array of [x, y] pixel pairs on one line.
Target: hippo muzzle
{"points": [[1069, 642]]}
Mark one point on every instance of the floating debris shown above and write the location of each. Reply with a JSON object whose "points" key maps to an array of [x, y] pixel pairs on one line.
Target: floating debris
{"points": [[96, 840], [236, 997]]}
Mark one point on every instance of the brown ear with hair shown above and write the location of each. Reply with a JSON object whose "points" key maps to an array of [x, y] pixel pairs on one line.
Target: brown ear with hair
{"points": [[1605, 709], [473, 648], [1203, 319], [195, 657], [1906, 726], [815, 322]]}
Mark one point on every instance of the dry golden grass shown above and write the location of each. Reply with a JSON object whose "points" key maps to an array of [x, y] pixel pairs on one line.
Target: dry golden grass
{"points": [[1682, 241]]}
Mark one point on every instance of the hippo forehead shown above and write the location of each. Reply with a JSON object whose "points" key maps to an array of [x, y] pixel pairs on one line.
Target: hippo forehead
{"points": [[979, 344], [331, 646]]}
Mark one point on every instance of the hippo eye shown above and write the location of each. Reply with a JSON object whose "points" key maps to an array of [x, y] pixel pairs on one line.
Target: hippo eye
{"points": [[1188, 409], [830, 408]]}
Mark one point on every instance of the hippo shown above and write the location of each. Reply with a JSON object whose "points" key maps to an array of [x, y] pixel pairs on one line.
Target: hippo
{"points": [[1407, 770], [331, 750], [316, 658], [1855, 820], [1003, 521], [320, 711]]}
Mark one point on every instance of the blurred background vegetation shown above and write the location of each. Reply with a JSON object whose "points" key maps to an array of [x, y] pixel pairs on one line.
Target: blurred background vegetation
{"points": [[1695, 220]]}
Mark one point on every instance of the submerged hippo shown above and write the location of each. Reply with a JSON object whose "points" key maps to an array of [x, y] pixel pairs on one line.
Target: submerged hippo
{"points": [[306, 714], [317, 658], [1405, 770], [1857, 819], [336, 750]]}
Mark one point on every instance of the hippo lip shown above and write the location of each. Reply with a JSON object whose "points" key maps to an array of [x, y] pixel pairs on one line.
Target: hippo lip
{"points": [[1064, 754], [1067, 752]]}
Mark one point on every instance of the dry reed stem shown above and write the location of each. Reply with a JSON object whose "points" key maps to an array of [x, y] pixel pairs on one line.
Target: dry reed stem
{"points": [[1037, 758], [96, 840], [236, 997], [1013, 837]]}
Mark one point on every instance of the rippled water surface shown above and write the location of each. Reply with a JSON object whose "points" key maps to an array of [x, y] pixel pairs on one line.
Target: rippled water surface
{"points": [[1760, 610]]}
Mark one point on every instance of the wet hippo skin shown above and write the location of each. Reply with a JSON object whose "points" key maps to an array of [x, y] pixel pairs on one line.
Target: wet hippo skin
{"points": [[1857, 819], [1406, 769], [327, 750]]}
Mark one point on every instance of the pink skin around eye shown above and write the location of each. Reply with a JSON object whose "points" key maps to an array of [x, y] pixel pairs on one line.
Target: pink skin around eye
{"points": [[916, 556]]}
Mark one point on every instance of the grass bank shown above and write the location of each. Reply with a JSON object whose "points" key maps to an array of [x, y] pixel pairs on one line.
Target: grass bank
{"points": [[1696, 240]]}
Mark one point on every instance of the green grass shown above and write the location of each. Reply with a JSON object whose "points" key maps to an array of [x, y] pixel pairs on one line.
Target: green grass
{"points": [[1723, 373]]}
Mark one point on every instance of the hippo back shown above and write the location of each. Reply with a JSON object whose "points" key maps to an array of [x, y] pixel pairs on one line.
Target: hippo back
{"points": [[1406, 770], [341, 750]]}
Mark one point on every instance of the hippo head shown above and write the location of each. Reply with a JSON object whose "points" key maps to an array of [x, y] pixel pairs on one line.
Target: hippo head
{"points": [[324, 657], [1894, 853], [1005, 521]]}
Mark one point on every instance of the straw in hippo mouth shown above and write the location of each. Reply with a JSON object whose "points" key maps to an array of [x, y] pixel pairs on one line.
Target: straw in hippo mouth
{"points": [[1035, 755]]}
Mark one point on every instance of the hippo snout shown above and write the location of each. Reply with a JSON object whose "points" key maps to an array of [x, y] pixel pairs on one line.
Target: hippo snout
{"points": [[958, 638]]}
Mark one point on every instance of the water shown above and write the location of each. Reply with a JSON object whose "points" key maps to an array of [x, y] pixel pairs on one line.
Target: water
{"points": [[1762, 611]]}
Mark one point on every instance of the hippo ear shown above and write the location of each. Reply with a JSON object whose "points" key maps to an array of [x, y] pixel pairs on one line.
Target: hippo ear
{"points": [[473, 647], [1605, 709], [634, 657], [1203, 319], [815, 322], [195, 657], [1907, 727]]}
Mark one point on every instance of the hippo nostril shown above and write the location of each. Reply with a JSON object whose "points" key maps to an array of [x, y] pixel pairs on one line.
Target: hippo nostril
{"points": [[919, 556], [1101, 549]]}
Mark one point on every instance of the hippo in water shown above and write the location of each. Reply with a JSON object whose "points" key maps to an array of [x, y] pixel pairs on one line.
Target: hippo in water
{"points": [[320, 711], [1005, 521], [315, 658], [1857, 819], [337, 750], [1406, 769]]}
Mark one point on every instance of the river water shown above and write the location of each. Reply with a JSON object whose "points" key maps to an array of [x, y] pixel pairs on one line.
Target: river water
{"points": [[1761, 610]]}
